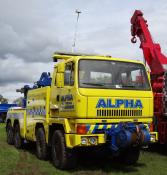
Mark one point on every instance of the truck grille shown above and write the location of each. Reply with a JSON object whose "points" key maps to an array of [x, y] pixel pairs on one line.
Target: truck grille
{"points": [[118, 112]]}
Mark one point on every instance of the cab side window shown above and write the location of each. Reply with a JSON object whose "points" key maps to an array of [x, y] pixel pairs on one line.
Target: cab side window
{"points": [[55, 83], [69, 74]]}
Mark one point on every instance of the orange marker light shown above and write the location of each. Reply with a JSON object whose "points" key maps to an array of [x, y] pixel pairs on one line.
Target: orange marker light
{"points": [[81, 129], [151, 127]]}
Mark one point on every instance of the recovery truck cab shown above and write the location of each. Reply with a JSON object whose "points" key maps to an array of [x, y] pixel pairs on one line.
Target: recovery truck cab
{"points": [[89, 101]]}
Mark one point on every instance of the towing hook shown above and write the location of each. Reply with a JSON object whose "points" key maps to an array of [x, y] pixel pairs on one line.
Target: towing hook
{"points": [[134, 40]]}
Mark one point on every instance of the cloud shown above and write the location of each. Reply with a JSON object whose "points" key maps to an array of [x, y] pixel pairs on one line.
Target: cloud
{"points": [[33, 47], [14, 70], [9, 92], [32, 33]]}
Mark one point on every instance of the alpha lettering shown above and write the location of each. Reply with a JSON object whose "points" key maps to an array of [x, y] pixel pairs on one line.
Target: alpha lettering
{"points": [[127, 103]]}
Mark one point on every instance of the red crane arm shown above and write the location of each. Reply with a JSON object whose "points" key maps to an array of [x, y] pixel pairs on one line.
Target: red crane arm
{"points": [[152, 51], [158, 65]]}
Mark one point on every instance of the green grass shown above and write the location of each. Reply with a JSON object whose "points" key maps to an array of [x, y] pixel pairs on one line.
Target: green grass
{"points": [[24, 162]]}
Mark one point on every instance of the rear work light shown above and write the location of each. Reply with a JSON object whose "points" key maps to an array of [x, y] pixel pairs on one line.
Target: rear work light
{"points": [[81, 128]]}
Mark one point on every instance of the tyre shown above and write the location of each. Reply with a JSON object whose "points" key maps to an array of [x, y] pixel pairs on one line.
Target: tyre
{"points": [[130, 156], [62, 157], [9, 134], [41, 145], [17, 137]]}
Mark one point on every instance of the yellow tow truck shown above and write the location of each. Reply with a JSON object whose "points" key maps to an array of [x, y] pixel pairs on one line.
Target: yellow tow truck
{"points": [[90, 101]]}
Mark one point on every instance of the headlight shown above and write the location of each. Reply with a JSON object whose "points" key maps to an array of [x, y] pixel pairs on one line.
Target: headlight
{"points": [[93, 140], [84, 141]]}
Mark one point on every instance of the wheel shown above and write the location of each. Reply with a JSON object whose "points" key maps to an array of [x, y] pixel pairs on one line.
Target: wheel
{"points": [[9, 134], [41, 145], [62, 157], [17, 137], [130, 156]]}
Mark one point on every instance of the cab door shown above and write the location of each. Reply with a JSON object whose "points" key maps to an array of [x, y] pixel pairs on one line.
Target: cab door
{"points": [[55, 91], [68, 92], [63, 91]]}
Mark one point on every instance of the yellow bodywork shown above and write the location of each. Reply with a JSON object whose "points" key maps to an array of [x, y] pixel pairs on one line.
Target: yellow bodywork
{"points": [[69, 106], [20, 115]]}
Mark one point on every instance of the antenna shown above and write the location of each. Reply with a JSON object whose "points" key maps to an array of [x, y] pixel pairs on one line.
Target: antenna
{"points": [[76, 27]]}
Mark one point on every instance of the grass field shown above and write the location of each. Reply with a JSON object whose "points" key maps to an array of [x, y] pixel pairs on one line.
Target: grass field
{"points": [[24, 162]]}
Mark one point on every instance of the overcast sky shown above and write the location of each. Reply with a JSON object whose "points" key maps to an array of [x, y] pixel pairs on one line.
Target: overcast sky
{"points": [[31, 30]]}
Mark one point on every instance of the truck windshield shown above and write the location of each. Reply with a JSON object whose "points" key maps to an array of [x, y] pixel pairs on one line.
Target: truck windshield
{"points": [[103, 74]]}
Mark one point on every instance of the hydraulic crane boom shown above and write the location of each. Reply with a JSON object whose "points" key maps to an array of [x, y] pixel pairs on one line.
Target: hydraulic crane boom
{"points": [[152, 51], [158, 66]]}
